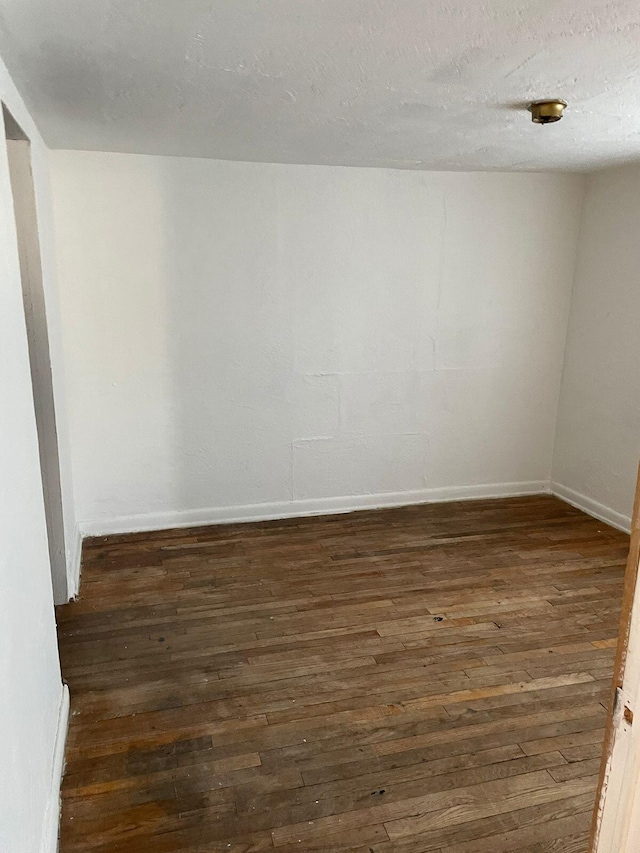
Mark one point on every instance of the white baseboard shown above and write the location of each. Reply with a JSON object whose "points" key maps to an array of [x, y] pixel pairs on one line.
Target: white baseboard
{"points": [[300, 508], [591, 507], [52, 817]]}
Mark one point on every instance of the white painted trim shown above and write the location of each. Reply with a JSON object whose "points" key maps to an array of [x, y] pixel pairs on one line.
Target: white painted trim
{"points": [[592, 507], [74, 566], [52, 817], [313, 506]]}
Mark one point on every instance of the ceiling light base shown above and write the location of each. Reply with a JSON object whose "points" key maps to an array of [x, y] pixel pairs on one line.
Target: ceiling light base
{"points": [[547, 111]]}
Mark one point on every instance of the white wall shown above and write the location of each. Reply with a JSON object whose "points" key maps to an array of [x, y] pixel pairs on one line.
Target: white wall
{"points": [[23, 192], [32, 701], [30, 201], [598, 439], [248, 339]]}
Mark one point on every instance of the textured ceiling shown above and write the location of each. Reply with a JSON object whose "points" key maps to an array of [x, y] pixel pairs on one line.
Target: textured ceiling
{"points": [[424, 84]]}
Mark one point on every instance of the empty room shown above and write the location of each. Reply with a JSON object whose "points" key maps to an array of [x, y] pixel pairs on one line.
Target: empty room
{"points": [[320, 427]]}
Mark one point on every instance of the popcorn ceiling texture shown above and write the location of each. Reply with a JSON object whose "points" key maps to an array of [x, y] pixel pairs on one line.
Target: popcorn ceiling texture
{"points": [[410, 84]]}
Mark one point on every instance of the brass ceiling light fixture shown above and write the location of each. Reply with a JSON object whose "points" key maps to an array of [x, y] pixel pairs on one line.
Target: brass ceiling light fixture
{"points": [[547, 111]]}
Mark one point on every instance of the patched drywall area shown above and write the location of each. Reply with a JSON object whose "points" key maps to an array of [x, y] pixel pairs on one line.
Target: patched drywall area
{"points": [[245, 340], [598, 442], [32, 702], [412, 84]]}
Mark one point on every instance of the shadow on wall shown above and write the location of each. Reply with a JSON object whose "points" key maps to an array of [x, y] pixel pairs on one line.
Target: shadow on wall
{"points": [[229, 338]]}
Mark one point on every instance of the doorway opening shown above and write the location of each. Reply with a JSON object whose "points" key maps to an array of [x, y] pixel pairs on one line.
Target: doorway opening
{"points": [[24, 205]]}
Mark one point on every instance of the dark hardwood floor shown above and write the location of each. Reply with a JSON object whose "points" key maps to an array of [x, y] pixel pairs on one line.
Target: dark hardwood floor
{"points": [[420, 679]]}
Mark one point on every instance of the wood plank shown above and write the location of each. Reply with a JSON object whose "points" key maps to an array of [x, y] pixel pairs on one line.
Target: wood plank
{"points": [[429, 678]]}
